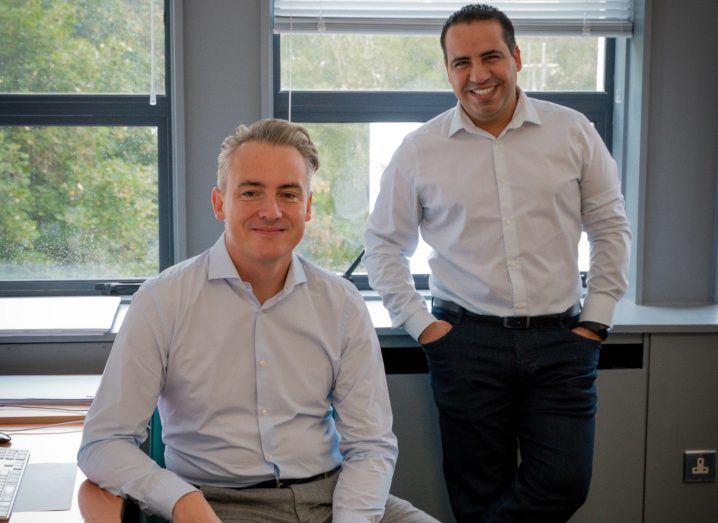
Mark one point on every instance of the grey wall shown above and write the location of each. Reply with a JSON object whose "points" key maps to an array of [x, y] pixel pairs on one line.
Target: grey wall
{"points": [[681, 147], [221, 44]]}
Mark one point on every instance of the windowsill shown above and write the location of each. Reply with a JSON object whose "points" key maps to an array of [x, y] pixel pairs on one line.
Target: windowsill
{"points": [[629, 319], [68, 318]]}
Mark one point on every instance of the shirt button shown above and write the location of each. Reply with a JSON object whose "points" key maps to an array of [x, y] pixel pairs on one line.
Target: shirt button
{"points": [[503, 179], [507, 221], [269, 457], [512, 263], [263, 412], [262, 363]]}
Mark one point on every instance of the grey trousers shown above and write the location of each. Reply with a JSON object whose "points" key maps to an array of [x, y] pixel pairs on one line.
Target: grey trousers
{"points": [[305, 503]]}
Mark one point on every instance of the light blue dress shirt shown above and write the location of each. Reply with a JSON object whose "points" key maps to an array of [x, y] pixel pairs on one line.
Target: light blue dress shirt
{"points": [[245, 390], [504, 216]]}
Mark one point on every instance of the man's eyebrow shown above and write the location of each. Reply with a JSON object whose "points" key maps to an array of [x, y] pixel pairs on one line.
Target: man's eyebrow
{"points": [[491, 52], [290, 186], [458, 59], [485, 54], [283, 187], [250, 183]]}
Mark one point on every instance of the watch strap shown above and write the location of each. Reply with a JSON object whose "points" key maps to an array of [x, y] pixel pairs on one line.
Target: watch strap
{"points": [[599, 329]]}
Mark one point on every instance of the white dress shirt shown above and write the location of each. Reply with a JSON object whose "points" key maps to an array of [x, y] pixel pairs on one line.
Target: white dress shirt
{"points": [[245, 389], [503, 216]]}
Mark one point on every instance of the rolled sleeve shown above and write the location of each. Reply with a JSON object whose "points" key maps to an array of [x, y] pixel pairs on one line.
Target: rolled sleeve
{"points": [[116, 423], [603, 217], [363, 419], [417, 322], [391, 237]]}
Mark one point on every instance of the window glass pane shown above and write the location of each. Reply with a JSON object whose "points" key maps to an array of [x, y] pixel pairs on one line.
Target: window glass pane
{"points": [[78, 202], [562, 64], [584, 253], [353, 158], [342, 62], [345, 62], [80, 46]]}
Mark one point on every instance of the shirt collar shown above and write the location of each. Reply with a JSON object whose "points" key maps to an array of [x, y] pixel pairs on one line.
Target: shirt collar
{"points": [[525, 112], [222, 267], [220, 264], [296, 274]]}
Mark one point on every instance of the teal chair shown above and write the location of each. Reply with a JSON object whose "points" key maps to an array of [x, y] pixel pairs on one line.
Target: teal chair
{"points": [[157, 446]]}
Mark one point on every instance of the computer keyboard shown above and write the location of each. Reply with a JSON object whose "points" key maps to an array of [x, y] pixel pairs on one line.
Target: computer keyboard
{"points": [[13, 463]]}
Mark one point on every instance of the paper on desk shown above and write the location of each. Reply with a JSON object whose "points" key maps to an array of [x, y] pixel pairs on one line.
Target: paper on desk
{"points": [[46, 486], [70, 315]]}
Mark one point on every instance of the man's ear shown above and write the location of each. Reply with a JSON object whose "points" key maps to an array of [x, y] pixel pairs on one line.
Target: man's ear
{"points": [[218, 204], [308, 215], [517, 57]]}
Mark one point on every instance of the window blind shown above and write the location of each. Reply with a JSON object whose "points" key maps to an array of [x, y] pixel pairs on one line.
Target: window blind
{"points": [[611, 18]]}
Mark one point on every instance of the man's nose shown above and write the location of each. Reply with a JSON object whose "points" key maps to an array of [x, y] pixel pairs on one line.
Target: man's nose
{"points": [[479, 72], [271, 208]]}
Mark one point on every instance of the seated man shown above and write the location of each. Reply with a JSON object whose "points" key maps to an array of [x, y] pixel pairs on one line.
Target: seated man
{"points": [[266, 369]]}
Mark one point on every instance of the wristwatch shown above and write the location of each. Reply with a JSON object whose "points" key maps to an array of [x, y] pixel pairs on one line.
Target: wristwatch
{"points": [[599, 329]]}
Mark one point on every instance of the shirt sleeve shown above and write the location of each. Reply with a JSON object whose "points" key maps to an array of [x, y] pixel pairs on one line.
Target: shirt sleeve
{"points": [[603, 216], [116, 423], [363, 419], [391, 237]]}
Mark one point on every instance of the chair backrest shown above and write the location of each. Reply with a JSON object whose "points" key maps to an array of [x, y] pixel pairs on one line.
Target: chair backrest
{"points": [[157, 446]]}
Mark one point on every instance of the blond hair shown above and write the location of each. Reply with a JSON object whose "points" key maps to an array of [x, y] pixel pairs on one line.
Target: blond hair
{"points": [[272, 131]]}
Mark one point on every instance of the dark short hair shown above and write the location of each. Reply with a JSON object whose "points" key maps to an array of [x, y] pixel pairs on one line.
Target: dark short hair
{"points": [[473, 12]]}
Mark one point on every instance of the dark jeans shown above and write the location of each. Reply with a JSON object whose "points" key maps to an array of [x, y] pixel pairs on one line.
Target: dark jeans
{"points": [[498, 390]]}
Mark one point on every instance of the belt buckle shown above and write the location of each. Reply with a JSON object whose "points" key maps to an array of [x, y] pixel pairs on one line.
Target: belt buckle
{"points": [[516, 322]]}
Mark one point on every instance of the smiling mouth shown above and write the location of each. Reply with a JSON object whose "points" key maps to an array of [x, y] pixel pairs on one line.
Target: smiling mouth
{"points": [[269, 231], [483, 91]]}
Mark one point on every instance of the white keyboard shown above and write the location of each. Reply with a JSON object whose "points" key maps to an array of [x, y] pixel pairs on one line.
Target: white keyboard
{"points": [[13, 463]]}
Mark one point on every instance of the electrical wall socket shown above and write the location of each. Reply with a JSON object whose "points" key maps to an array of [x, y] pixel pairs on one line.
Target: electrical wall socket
{"points": [[699, 466]]}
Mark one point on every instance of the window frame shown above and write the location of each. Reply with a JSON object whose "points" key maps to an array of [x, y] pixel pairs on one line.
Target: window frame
{"points": [[90, 110], [408, 106]]}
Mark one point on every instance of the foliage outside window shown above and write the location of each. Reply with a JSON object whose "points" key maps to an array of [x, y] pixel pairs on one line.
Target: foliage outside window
{"points": [[354, 62], [82, 151], [79, 202], [80, 46]]}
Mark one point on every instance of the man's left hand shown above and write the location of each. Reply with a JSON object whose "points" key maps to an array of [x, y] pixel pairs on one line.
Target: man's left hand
{"points": [[581, 331]]}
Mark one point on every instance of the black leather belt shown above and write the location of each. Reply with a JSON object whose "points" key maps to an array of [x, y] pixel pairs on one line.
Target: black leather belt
{"points": [[284, 483], [510, 322]]}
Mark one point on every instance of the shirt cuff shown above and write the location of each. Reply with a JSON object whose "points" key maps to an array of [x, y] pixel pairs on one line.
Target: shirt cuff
{"points": [[598, 308], [417, 322], [167, 491]]}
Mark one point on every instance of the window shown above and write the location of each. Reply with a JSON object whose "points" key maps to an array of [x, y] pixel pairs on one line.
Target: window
{"points": [[360, 80], [84, 144]]}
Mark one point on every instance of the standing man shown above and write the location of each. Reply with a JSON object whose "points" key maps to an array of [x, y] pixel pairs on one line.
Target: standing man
{"points": [[500, 186], [266, 369]]}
